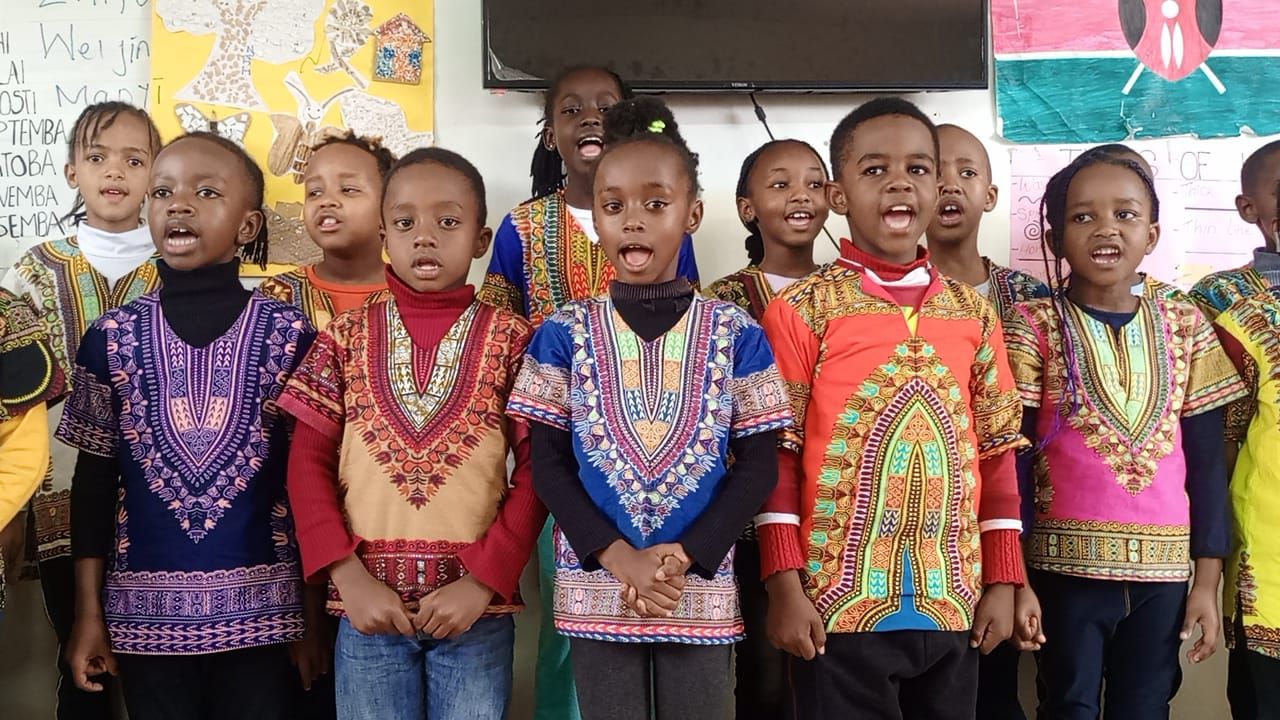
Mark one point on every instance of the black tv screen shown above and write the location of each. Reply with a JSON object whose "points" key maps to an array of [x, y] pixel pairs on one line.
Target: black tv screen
{"points": [[741, 44]]}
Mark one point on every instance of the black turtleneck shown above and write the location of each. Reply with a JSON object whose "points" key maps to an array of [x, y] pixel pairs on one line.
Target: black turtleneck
{"points": [[650, 311], [202, 304]]}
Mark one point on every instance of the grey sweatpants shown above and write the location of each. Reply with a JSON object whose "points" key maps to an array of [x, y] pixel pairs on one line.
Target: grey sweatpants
{"points": [[662, 681]]}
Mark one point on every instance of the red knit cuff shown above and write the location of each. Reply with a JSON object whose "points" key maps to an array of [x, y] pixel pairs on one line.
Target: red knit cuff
{"points": [[780, 549], [1002, 558], [503, 578]]}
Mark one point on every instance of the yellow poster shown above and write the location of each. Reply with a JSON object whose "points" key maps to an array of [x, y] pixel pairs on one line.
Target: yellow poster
{"points": [[277, 76]]}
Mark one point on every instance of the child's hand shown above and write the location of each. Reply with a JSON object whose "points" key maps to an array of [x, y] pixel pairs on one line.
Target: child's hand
{"points": [[89, 653], [1202, 610], [671, 571], [451, 610], [313, 654], [1028, 628], [371, 607], [12, 539], [639, 569], [793, 623], [993, 620]]}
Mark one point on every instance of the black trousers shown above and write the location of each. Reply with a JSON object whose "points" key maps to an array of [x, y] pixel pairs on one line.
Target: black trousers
{"points": [[1123, 633], [58, 584], [644, 681], [998, 684], [258, 683], [762, 691], [900, 675], [1253, 681]]}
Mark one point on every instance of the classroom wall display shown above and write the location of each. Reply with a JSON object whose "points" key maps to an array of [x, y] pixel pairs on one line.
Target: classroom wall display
{"points": [[278, 76], [55, 59], [1197, 183], [1105, 70]]}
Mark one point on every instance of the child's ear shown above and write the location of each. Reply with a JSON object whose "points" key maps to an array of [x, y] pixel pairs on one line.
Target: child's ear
{"points": [[695, 218], [549, 137], [836, 199], [1153, 238], [69, 171], [993, 195], [1248, 211], [482, 242], [746, 213], [250, 227]]}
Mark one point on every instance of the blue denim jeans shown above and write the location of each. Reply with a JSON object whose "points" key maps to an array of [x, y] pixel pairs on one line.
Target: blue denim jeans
{"points": [[391, 677]]}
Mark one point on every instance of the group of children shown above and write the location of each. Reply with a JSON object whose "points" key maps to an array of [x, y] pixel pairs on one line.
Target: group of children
{"points": [[317, 497]]}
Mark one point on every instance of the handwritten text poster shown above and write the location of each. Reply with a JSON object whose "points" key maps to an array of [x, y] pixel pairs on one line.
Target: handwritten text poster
{"points": [[56, 57], [1197, 183]]}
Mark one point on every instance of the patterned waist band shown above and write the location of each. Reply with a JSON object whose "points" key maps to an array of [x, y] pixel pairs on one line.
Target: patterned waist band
{"points": [[414, 569], [192, 613], [1111, 550]]}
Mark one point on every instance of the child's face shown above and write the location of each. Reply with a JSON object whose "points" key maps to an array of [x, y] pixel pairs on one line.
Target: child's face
{"points": [[577, 116], [967, 191], [1108, 226], [201, 209], [888, 188], [786, 194], [644, 205], [1257, 206], [433, 227], [111, 172], [343, 208]]}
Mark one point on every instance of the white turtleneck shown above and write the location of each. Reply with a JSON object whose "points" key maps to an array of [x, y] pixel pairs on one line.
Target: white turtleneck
{"points": [[114, 254]]}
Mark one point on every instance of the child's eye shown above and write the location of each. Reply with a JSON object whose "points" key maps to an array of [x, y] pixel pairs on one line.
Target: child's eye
{"points": [[1081, 218], [350, 190], [159, 193], [611, 206], [94, 158], [968, 173], [874, 170], [604, 108], [1126, 215], [313, 192], [780, 185], [815, 185], [656, 204], [449, 222], [570, 110], [135, 162], [402, 224], [919, 170], [206, 193]]}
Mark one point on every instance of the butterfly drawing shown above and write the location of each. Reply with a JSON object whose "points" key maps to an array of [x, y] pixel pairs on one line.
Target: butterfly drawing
{"points": [[233, 128], [296, 134]]}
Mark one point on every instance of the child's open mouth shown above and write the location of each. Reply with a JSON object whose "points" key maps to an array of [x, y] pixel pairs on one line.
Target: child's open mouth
{"points": [[635, 257], [800, 219], [425, 268], [114, 193], [179, 236], [899, 217], [328, 223], [950, 213], [590, 146], [1106, 254]]}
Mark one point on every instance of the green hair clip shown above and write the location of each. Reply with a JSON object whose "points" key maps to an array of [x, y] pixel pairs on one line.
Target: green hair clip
{"points": [[657, 126]]}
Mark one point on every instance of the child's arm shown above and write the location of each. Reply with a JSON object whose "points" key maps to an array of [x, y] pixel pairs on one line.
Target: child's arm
{"points": [[93, 515], [793, 624], [504, 285], [24, 457], [495, 561], [750, 482]]}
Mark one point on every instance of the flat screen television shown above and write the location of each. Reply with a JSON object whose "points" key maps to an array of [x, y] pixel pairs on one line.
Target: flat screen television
{"points": [[798, 45]]}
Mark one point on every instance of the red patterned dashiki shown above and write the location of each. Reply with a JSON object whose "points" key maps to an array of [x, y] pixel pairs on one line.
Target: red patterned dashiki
{"points": [[411, 392]]}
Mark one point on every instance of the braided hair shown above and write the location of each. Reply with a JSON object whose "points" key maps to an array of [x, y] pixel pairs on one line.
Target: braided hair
{"points": [[256, 250], [1053, 224], [547, 167], [755, 241], [647, 119]]}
